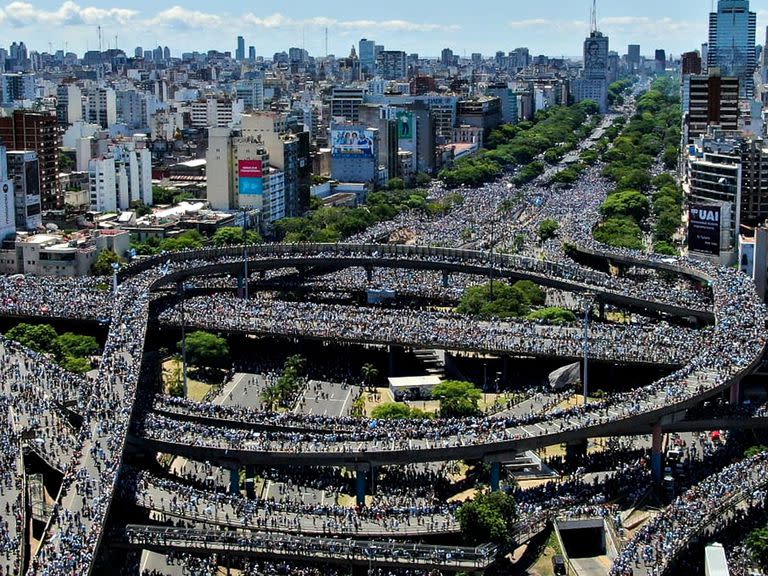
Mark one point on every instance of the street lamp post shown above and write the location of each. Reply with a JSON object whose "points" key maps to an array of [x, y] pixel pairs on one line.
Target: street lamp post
{"points": [[115, 268], [585, 345], [245, 253], [182, 291], [490, 269]]}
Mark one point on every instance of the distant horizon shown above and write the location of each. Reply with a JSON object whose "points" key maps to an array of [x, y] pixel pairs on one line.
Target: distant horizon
{"points": [[555, 28]]}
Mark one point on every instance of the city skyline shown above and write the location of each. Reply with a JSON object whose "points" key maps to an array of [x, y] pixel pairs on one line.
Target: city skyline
{"points": [[676, 27]]}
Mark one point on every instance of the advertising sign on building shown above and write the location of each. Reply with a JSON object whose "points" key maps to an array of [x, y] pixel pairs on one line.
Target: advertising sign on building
{"points": [[251, 175], [350, 143], [704, 228], [405, 126]]}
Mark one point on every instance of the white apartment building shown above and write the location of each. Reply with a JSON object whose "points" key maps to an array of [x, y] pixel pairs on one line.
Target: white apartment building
{"points": [[100, 106], [121, 177], [69, 103], [220, 113]]}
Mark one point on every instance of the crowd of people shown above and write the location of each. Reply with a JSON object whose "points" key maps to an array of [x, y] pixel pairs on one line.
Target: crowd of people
{"points": [[657, 544], [653, 344], [723, 353]]}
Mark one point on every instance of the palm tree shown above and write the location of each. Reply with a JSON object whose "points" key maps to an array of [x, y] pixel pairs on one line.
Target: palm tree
{"points": [[370, 373]]}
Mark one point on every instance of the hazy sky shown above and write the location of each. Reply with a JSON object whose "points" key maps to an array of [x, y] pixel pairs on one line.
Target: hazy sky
{"points": [[552, 27]]}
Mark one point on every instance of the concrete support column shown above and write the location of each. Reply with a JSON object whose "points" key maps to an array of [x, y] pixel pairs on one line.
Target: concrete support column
{"points": [[576, 449], [657, 455], [495, 476], [240, 287], [601, 310], [736, 393], [234, 480], [446, 278], [372, 479], [360, 486], [392, 360], [505, 370], [369, 273]]}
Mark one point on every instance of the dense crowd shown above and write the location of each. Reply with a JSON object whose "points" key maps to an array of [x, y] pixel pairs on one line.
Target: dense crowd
{"points": [[657, 544], [654, 344]]}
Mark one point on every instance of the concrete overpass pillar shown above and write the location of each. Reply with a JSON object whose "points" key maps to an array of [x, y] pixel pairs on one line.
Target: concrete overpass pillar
{"points": [[446, 278], [392, 360], [369, 273], [495, 476], [360, 486], [601, 310], [505, 370], [657, 455], [736, 393], [577, 449], [234, 480]]}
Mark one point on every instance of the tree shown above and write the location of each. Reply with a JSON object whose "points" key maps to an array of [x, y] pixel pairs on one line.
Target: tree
{"points": [[370, 373], [554, 315], [531, 292], [422, 179], [189, 240], [397, 411], [505, 302], [548, 229], [206, 349], [76, 365], [103, 264], [757, 544], [232, 236], [77, 345], [457, 399], [396, 184], [626, 203], [490, 517], [38, 337]]}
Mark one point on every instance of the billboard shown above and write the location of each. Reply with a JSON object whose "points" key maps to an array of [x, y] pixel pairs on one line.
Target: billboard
{"points": [[352, 143], [704, 228], [251, 175], [405, 126]]}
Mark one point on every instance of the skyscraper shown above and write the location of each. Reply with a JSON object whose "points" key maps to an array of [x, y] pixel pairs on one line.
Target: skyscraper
{"points": [[240, 52], [593, 84], [732, 43], [367, 52], [633, 57]]}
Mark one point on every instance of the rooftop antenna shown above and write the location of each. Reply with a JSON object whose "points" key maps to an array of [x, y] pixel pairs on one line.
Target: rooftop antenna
{"points": [[100, 72], [593, 22]]}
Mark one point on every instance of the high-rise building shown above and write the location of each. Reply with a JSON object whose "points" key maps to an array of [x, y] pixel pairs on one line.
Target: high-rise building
{"points": [[251, 92], [660, 58], [240, 52], [100, 106], [69, 104], [288, 152], [37, 132], [235, 170], [7, 203], [121, 177], [391, 65], [732, 43], [713, 100], [593, 84], [691, 63], [633, 57], [24, 171], [252, 53], [17, 87], [367, 55], [345, 103], [446, 57]]}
